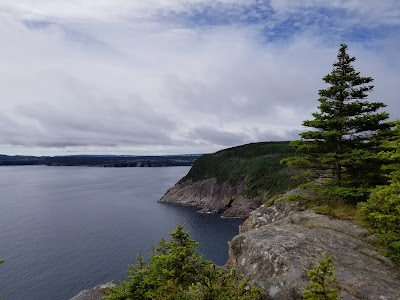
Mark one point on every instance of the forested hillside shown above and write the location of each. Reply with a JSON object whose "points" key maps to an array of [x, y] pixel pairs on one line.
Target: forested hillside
{"points": [[100, 160], [255, 165]]}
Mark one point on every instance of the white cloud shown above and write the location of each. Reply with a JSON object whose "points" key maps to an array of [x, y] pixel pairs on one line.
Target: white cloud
{"points": [[107, 10], [115, 77]]}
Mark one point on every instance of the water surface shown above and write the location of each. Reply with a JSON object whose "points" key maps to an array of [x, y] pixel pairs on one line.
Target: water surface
{"points": [[66, 229]]}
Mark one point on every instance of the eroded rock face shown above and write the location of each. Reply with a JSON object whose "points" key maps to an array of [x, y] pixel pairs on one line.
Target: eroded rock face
{"points": [[277, 245], [96, 293], [267, 215], [212, 197], [279, 210]]}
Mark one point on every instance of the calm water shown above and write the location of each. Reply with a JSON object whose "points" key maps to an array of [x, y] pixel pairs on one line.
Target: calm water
{"points": [[66, 229]]}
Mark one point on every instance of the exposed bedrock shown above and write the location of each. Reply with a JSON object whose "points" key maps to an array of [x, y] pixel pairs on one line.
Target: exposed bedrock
{"points": [[278, 244], [212, 197], [96, 293]]}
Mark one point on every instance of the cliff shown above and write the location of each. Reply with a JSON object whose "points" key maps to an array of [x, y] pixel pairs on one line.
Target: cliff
{"points": [[212, 197], [235, 181], [96, 293], [278, 244]]}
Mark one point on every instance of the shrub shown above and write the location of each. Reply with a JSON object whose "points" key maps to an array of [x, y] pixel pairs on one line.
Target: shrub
{"points": [[323, 280], [382, 213], [176, 270]]}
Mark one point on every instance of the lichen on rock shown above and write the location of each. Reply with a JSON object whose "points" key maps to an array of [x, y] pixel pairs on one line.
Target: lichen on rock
{"points": [[278, 244]]}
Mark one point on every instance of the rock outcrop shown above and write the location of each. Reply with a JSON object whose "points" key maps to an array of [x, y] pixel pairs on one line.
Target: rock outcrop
{"points": [[278, 244], [212, 197], [96, 293]]}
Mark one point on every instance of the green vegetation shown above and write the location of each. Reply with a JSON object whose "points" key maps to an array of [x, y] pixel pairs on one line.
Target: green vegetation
{"points": [[176, 270], [323, 280], [344, 144], [382, 210], [100, 160], [256, 165], [352, 156]]}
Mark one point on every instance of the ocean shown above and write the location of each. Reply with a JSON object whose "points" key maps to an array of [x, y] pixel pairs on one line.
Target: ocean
{"points": [[66, 229]]}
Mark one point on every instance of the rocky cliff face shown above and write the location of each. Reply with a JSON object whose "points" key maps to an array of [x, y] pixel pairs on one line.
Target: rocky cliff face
{"points": [[278, 244], [212, 197], [96, 293]]}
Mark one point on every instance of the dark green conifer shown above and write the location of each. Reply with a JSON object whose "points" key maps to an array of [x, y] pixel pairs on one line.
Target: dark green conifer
{"points": [[345, 137], [323, 280], [176, 270], [382, 210]]}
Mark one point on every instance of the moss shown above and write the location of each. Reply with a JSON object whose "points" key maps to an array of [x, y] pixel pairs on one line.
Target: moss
{"points": [[272, 199], [299, 198], [323, 210], [270, 202], [338, 210]]}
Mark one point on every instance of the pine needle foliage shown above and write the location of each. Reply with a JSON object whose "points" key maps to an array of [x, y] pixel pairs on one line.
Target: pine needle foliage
{"points": [[382, 210], [176, 270], [323, 280], [344, 141]]}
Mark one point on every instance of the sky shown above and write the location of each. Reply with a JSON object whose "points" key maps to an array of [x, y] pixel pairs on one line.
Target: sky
{"points": [[159, 77]]}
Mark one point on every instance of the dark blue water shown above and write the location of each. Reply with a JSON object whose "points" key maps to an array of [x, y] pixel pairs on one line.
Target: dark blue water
{"points": [[66, 229]]}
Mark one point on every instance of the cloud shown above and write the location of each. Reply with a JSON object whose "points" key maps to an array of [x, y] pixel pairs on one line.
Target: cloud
{"points": [[215, 136], [146, 77]]}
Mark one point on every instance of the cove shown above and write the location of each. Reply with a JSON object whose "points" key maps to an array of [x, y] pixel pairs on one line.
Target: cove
{"points": [[66, 229]]}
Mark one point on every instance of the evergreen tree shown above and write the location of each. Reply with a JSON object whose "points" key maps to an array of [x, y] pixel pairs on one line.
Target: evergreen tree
{"points": [[344, 143], [382, 210], [176, 270], [322, 279]]}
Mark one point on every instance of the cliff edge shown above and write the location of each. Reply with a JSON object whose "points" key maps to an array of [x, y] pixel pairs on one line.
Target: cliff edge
{"points": [[96, 293], [212, 197], [278, 244], [235, 181]]}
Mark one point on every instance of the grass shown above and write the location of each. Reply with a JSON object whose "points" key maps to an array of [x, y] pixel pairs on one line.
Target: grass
{"points": [[336, 208]]}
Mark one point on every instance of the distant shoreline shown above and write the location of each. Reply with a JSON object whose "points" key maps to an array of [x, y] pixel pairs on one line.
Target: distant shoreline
{"points": [[104, 161]]}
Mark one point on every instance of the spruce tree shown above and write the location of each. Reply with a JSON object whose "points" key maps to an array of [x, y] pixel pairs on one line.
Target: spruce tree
{"points": [[346, 131], [176, 270], [323, 280], [382, 210]]}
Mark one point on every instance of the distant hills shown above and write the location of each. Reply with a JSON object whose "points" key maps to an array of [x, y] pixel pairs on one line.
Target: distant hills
{"points": [[237, 180], [100, 160], [256, 165]]}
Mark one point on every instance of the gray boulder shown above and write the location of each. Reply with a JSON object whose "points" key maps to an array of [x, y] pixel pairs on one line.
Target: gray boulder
{"points": [[277, 245], [96, 293]]}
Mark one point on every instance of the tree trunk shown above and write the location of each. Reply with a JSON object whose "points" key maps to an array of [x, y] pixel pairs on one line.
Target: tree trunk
{"points": [[338, 172]]}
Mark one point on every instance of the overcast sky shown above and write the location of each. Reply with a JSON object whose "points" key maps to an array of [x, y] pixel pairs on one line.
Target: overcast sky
{"points": [[179, 76]]}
